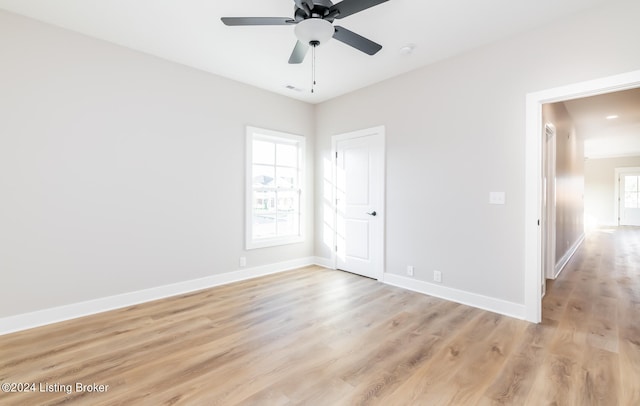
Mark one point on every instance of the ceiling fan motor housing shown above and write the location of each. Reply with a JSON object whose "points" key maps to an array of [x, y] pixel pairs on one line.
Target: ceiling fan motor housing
{"points": [[304, 9]]}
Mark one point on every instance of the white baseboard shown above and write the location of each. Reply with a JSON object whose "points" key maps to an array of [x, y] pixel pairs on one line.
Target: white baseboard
{"points": [[515, 310], [56, 314], [567, 256], [324, 262]]}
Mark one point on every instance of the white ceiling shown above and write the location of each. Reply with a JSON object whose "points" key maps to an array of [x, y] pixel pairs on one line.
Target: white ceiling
{"points": [[608, 137], [190, 32]]}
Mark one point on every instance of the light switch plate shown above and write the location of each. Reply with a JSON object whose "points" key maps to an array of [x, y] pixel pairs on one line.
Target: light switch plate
{"points": [[497, 198]]}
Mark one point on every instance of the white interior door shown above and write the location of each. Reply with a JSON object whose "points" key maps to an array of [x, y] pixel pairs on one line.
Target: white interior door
{"points": [[359, 202], [630, 199]]}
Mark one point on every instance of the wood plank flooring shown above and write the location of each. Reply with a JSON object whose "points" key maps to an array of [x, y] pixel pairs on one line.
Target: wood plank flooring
{"points": [[319, 337]]}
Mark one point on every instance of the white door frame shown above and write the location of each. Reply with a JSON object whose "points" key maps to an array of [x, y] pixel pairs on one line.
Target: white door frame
{"points": [[378, 243], [533, 180], [617, 197], [549, 205]]}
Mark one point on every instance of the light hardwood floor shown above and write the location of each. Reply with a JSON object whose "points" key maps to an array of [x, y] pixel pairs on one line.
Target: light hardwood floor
{"points": [[320, 337]]}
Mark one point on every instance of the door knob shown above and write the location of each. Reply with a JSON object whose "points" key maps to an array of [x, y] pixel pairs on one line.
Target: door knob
{"points": [[373, 213]]}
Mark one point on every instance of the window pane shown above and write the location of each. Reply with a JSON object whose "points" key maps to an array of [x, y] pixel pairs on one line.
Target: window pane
{"points": [[287, 155], [288, 201], [631, 183], [264, 225], [264, 202], [287, 223], [631, 200], [286, 177], [263, 176], [264, 152]]}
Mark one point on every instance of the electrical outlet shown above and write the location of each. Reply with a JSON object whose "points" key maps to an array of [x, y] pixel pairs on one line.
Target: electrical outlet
{"points": [[437, 276], [410, 270], [243, 262], [497, 198]]}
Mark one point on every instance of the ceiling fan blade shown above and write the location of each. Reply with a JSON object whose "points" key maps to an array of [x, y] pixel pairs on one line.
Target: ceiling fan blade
{"points": [[347, 7], [299, 52], [257, 20], [357, 41]]}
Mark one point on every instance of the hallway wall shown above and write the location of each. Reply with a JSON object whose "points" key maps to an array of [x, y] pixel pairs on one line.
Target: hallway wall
{"points": [[569, 205]]}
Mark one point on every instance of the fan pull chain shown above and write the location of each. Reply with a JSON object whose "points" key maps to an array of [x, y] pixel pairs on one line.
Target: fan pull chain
{"points": [[313, 44], [313, 68]]}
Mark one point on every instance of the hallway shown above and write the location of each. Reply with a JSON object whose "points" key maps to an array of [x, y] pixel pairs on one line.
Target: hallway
{"points": [[592, 309]]}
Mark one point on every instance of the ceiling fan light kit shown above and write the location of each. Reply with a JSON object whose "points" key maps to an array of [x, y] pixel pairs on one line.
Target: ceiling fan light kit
{"points": [[314, 29], [313, 20]]}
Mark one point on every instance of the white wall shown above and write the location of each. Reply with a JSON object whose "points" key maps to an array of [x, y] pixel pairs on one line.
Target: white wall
{"points": [[600, 187], [120, 171], [456, 131]]}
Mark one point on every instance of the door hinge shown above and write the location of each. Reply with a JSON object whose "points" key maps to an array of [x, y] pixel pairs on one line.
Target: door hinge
{"points": [[336, 248], [336, 154], [538, 221]]}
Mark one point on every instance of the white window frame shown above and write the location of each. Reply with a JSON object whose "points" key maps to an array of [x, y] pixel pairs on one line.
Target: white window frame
{"points": [[617, 198], [253, 133]]}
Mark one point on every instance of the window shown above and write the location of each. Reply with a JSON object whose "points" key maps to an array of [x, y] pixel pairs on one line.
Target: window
{"points": [[632, 191], [275, 163]]}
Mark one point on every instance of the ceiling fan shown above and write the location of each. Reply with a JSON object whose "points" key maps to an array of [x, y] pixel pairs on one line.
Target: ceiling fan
{"points": [[313, 20]]}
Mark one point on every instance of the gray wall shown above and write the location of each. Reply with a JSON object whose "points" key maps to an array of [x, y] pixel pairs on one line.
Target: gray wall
{"points": [[456, 131], [600, 186], [120, 171]]}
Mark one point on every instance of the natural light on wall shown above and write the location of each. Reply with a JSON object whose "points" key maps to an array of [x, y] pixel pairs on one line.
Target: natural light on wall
{"points": [[275, 174], [341, 226], [328, 207], [591, 222]]}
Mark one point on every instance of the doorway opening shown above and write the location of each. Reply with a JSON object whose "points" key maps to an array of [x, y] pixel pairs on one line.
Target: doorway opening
{"points": [[534, 181]]}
